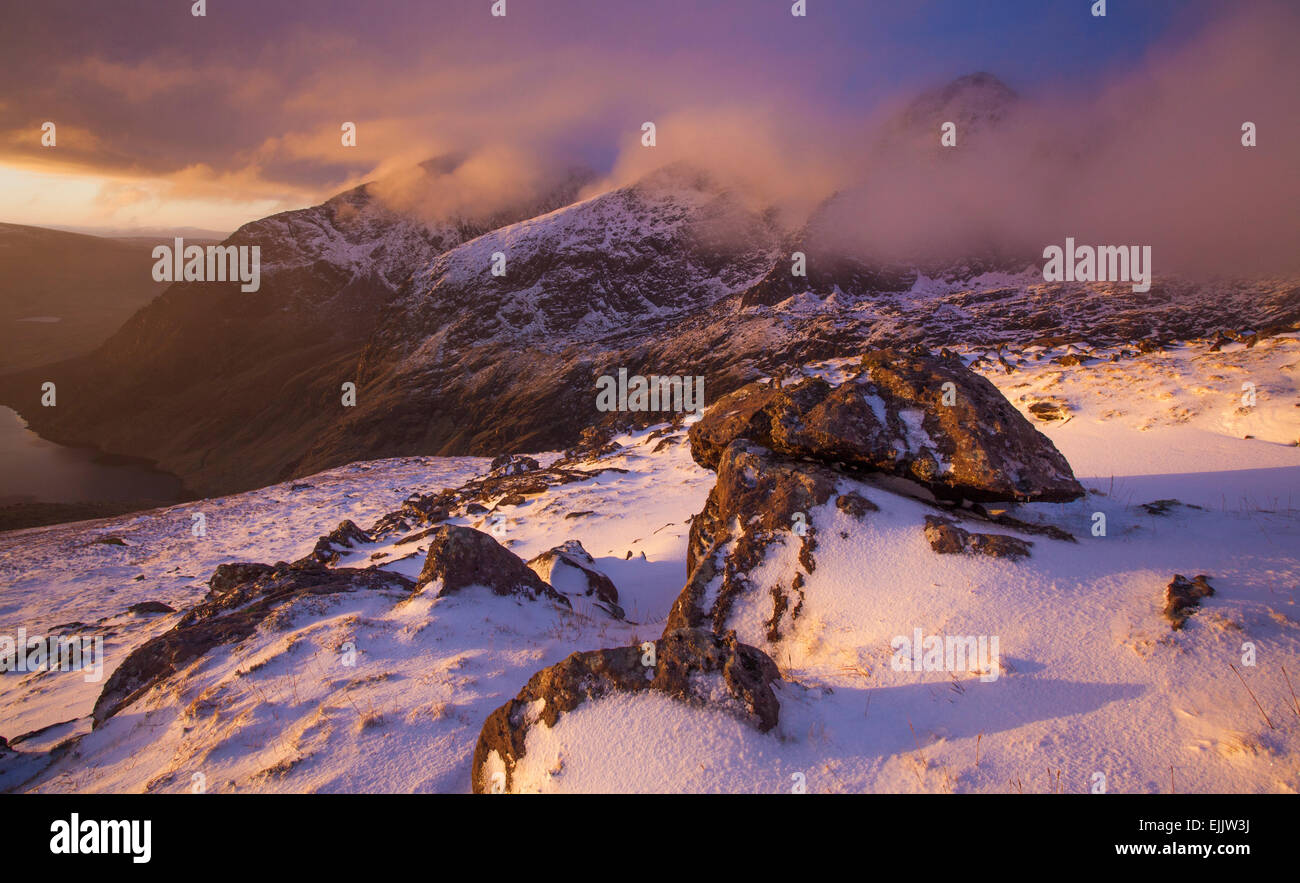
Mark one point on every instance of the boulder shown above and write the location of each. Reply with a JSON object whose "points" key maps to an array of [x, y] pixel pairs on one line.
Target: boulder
{"points": [[570, 570], [891, 417], [229, 614], [767, 499], [461, 556], [687, 664]]}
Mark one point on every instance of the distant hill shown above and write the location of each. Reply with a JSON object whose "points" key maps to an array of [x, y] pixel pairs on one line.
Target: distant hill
{"points": [[63, 294]]}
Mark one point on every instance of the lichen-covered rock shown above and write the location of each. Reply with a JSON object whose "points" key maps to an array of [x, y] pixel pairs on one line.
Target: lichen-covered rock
{"points": [[924, 417], [461, 556], [682, 666]]}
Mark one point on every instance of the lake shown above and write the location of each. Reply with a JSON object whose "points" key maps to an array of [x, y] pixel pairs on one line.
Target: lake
{"points": [[35, 470]]}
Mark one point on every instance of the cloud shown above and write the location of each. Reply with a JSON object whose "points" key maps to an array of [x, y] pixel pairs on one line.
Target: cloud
{"points": [[1153, 157], [246, 106]]}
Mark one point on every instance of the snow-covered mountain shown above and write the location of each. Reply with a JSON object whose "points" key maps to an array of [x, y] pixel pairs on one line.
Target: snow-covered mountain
{"points": [[673, 275], [217, 385]]}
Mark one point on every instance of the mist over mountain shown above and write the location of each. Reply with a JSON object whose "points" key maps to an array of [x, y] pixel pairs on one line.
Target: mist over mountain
{"points": [[477, 331]]}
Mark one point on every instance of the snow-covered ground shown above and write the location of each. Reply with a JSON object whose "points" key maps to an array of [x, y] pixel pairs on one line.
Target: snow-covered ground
{"points": [[1090, 680]]}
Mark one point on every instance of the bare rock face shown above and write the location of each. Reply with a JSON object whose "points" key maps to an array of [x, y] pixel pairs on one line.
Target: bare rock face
{"points": [[1183, 598], [569, 565], [683, 665], [242, 596], [946, 538], [771, 499], [924, 417], [462, 557]]}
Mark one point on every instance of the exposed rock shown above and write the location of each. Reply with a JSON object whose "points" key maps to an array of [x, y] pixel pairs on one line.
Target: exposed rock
{"points": [[891, 418], [461, 556], [511, 484], [1164, 507], [151, 607], [570, 570], [228, 576], [683, 662], [110, 541], [231, 612], [772, 500], [853, 503], [1072, 360], [946, 538], [417, 509], [1050, 410], [345, 536], [512, 464], [595, 442], [1183, 597], [1004, 520]]}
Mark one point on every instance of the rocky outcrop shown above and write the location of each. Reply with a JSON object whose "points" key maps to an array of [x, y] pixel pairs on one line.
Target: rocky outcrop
{"points": [[147, 607], [228, 576], [759, 499], [330, 547], [570, 570], [512, 483], [685, 665], [512, 464], [1183, 598], [242, 597], [923, 417], [460, 557], [946, 538]]}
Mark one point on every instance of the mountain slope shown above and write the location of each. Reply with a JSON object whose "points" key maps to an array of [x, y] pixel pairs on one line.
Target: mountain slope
{"points": [[471, 362], [62, 294], [216, 384]]}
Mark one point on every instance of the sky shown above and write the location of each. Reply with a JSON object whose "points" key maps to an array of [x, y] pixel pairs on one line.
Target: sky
{"points": [[167, 119]]}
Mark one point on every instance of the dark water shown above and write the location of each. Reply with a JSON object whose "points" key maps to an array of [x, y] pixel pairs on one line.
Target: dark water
{"points": [[35, 470]]}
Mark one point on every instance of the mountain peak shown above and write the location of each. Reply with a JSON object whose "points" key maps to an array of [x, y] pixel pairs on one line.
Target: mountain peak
{"points": [[979, 98]]}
